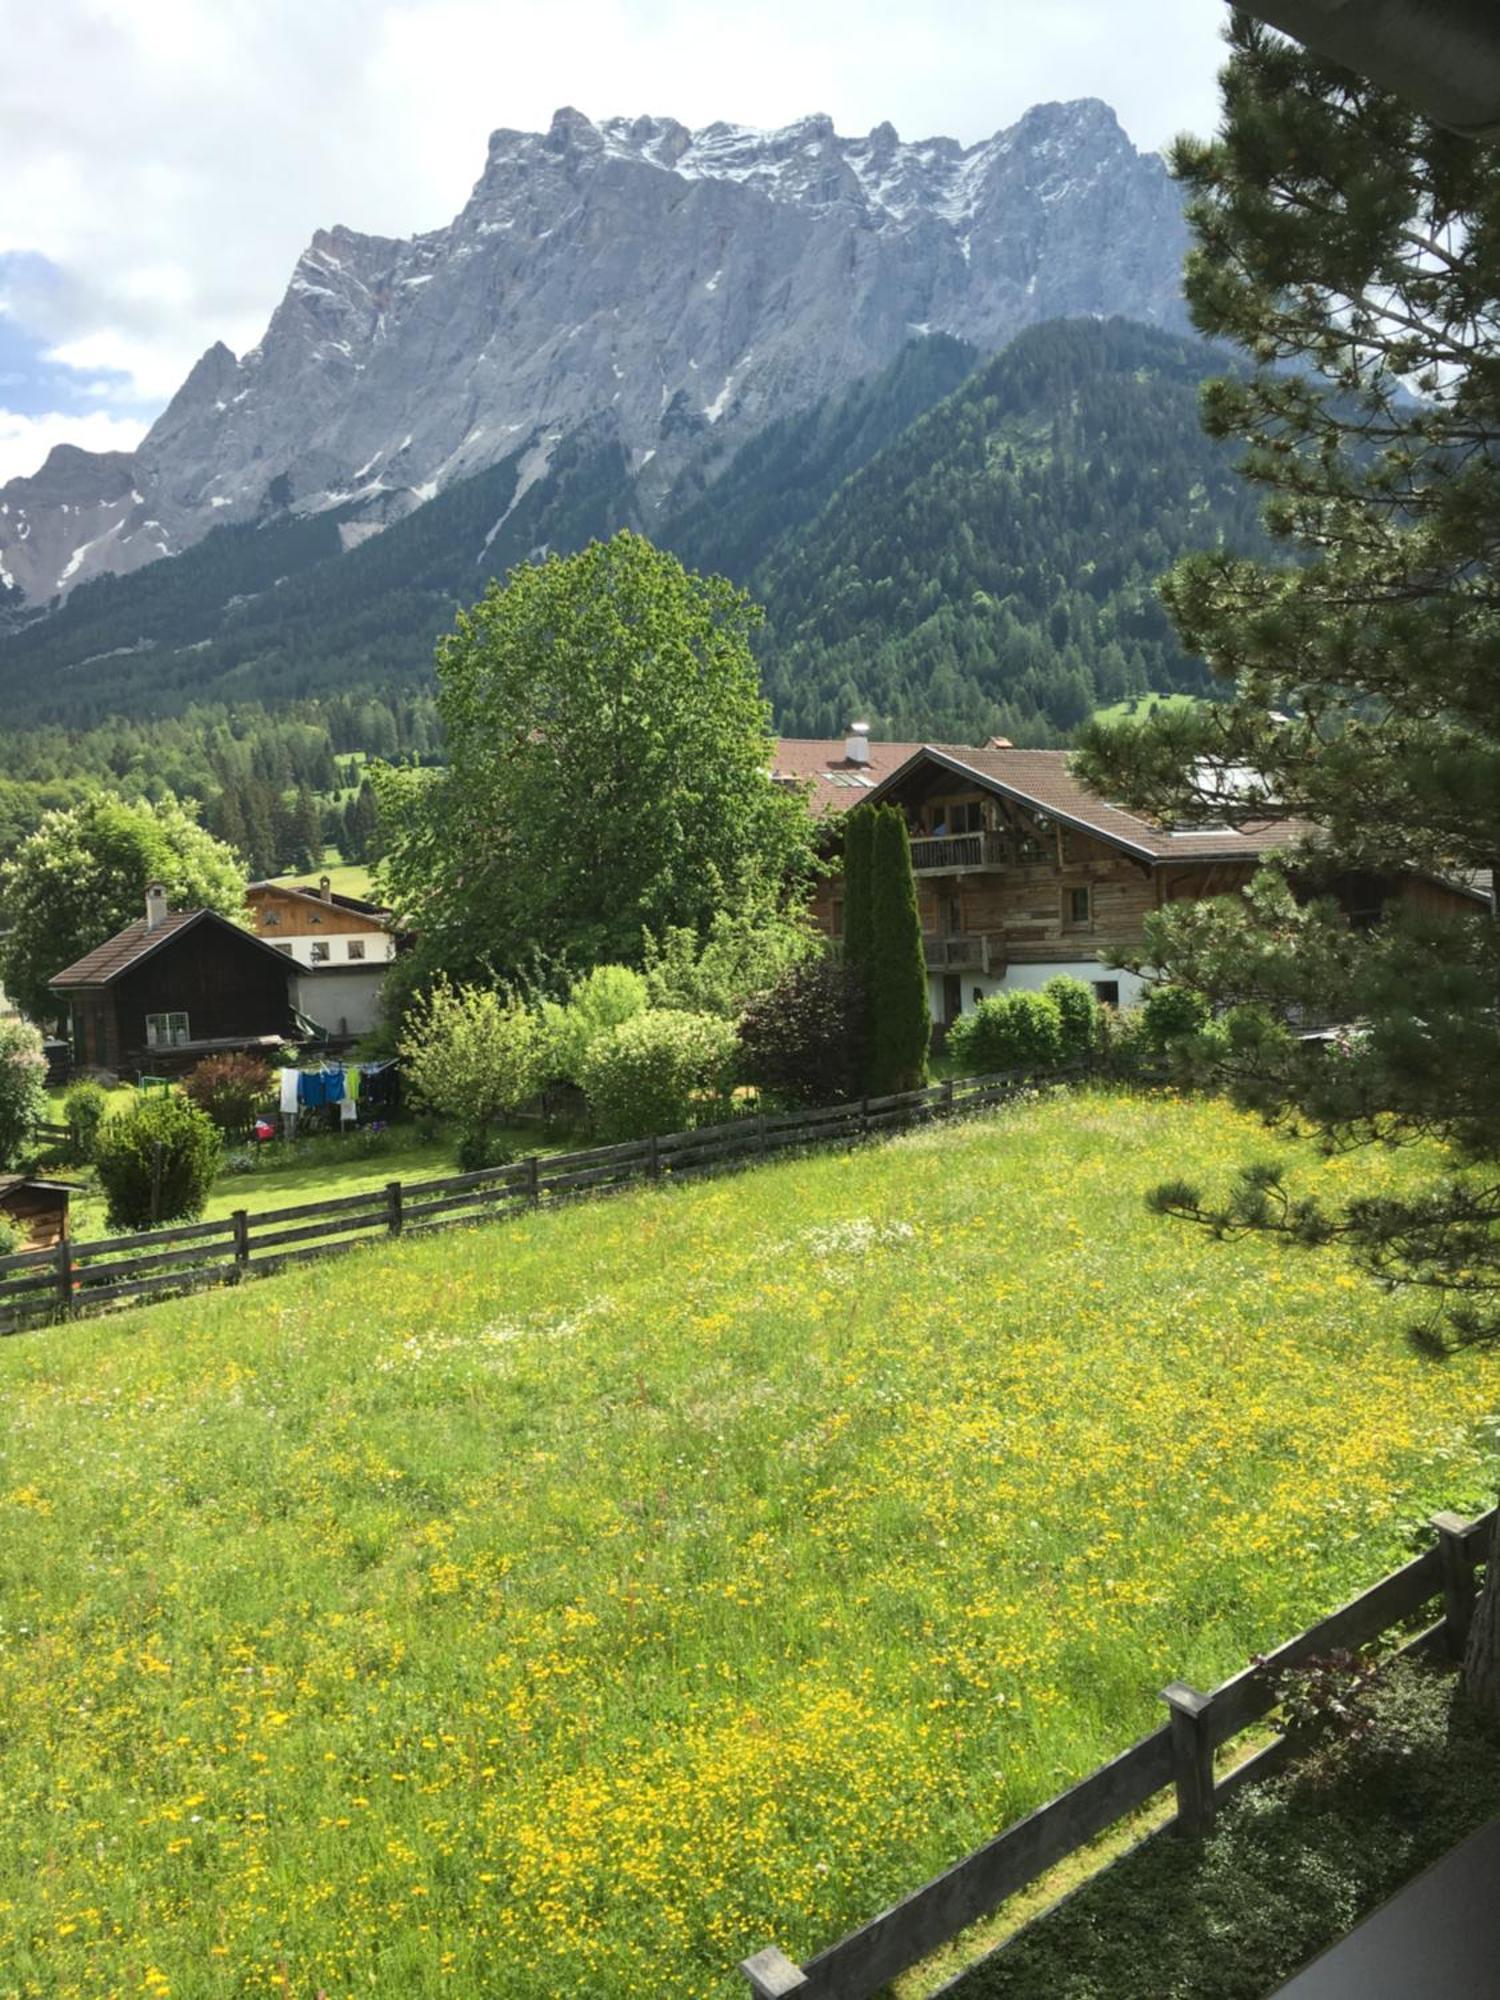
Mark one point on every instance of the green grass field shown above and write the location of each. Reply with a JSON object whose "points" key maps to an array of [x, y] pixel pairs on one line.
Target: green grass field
{"points": [[345, 878], [337, 1164], [570, 1605]]}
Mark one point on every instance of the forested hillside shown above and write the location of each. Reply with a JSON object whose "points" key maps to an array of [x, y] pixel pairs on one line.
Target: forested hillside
{"points": [[950, 553], [993, 569]]}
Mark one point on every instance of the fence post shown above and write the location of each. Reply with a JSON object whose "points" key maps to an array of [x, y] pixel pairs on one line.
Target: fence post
{"points": [[241, 1221], [653, 1158], [393, 1206], [1459, 1591], [65, 1274], [864, 1116], [947, 1097], [1192, 1757], [771, 1974], [533, 1180]]}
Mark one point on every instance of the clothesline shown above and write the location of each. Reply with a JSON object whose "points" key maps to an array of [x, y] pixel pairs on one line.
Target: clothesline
{"points": [[342, 1084]]}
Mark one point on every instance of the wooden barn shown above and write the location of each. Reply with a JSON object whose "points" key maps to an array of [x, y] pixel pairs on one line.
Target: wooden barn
{"points": [[173, 987]]}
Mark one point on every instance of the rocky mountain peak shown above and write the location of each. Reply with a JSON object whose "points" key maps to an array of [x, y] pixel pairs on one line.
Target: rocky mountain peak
{"points": [[670, 290]]}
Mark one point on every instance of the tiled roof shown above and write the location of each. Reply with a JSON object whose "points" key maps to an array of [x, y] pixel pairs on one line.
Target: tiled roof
{"points": [[128, 947], [1042, 778], [108, 961], [836, 783]]}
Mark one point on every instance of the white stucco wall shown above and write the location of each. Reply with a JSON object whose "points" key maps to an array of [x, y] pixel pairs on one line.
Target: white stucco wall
{"points": [[1032, 978], [343, 1001], [379, 947]]}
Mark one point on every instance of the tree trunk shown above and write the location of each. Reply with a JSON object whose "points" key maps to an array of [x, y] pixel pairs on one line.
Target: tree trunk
{"points": [[1482, 1659]]}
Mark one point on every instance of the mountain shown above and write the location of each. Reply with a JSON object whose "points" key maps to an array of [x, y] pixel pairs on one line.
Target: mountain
{"points": [[282, 611], [948, 550], [630, 289], [993, 569]]}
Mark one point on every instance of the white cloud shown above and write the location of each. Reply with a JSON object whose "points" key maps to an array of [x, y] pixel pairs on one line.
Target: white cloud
{"points": [[26, 441], [174, 156]]}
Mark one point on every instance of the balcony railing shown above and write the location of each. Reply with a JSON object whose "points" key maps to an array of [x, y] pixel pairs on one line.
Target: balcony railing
{"points": [[977, 951], [940, 852]]}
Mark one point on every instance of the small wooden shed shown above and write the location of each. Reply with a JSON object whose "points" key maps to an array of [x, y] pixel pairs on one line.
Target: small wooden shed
{"points": [[39, 1206]]}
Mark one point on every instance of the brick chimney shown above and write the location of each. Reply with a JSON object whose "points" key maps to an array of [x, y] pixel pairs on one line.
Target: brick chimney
{"points": [[156, 904], [857, 743], [325, 889]]}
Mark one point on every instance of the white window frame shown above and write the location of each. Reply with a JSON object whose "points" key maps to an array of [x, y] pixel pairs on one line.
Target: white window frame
{"points": [[167, 1031]]}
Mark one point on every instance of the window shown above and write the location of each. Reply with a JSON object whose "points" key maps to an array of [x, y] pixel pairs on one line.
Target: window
{"points": [[1107, 992], [282, 946], [320, 951], [270, 919], [356, 947], [1078, 905], [166, 1031], [967, 817]]}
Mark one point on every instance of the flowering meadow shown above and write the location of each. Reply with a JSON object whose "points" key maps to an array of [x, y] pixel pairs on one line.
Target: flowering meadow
{"points": [[570, 1605]]}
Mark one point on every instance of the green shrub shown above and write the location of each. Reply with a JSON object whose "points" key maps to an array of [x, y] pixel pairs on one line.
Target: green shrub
{"points": [[747, 952], [650, 1073], [156, 1162], [23, 1089], [84, 1110], [472, 1055], [603, 999], [231, 1089], [1009, 1031], [1079, 1012], [1169, 1014], [804, 1039], [10, 1235]]}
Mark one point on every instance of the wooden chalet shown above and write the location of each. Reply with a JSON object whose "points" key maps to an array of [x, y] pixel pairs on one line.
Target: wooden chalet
{"points": [[173, 987], [341, 946], [1023, 874]]}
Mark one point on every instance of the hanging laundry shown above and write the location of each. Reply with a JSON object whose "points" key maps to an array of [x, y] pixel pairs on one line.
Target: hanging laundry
{"points": [[352, 1076], [348, 1110], [290, 1086]]}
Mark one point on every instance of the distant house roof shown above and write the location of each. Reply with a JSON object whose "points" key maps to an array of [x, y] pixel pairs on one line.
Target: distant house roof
{"points": [[838, 781], [309, 892], [1043, 780], [136, 943]]}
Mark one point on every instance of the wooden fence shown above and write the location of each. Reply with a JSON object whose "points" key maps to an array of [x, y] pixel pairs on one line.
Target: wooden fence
{"points": [[1180, 1754], [40, 1285]]}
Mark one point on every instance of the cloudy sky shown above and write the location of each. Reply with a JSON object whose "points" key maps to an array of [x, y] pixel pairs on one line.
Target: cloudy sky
{"points": [[164, 161]]}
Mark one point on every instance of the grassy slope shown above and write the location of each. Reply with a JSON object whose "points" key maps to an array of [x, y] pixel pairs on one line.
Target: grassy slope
{"points": [[569, 1606], [345, 878]]}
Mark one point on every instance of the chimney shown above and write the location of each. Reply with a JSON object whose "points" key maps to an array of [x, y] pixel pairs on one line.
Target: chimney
{"points": [[325, 888], [999, 743], [156, 904], [857, 743]]}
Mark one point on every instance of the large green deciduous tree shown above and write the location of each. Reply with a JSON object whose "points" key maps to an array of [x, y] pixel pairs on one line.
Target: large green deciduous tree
{"points": [[82, 876], [609, 755], [1352, 249]]}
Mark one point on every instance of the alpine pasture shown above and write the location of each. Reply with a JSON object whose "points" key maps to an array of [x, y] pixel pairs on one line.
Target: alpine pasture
{"points": [[570, 1605]]}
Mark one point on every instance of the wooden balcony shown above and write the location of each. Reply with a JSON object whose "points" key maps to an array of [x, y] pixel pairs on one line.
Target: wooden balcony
{"points": [[941, 854], [978, 951]]}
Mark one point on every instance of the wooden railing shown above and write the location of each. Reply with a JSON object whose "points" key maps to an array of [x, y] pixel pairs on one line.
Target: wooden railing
{"points": [[974, 951], [1179, 1754], [937, 852], [79, 1276]]}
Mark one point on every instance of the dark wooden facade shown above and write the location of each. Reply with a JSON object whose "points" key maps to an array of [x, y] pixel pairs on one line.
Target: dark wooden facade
{"points": [[232, 989]]}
